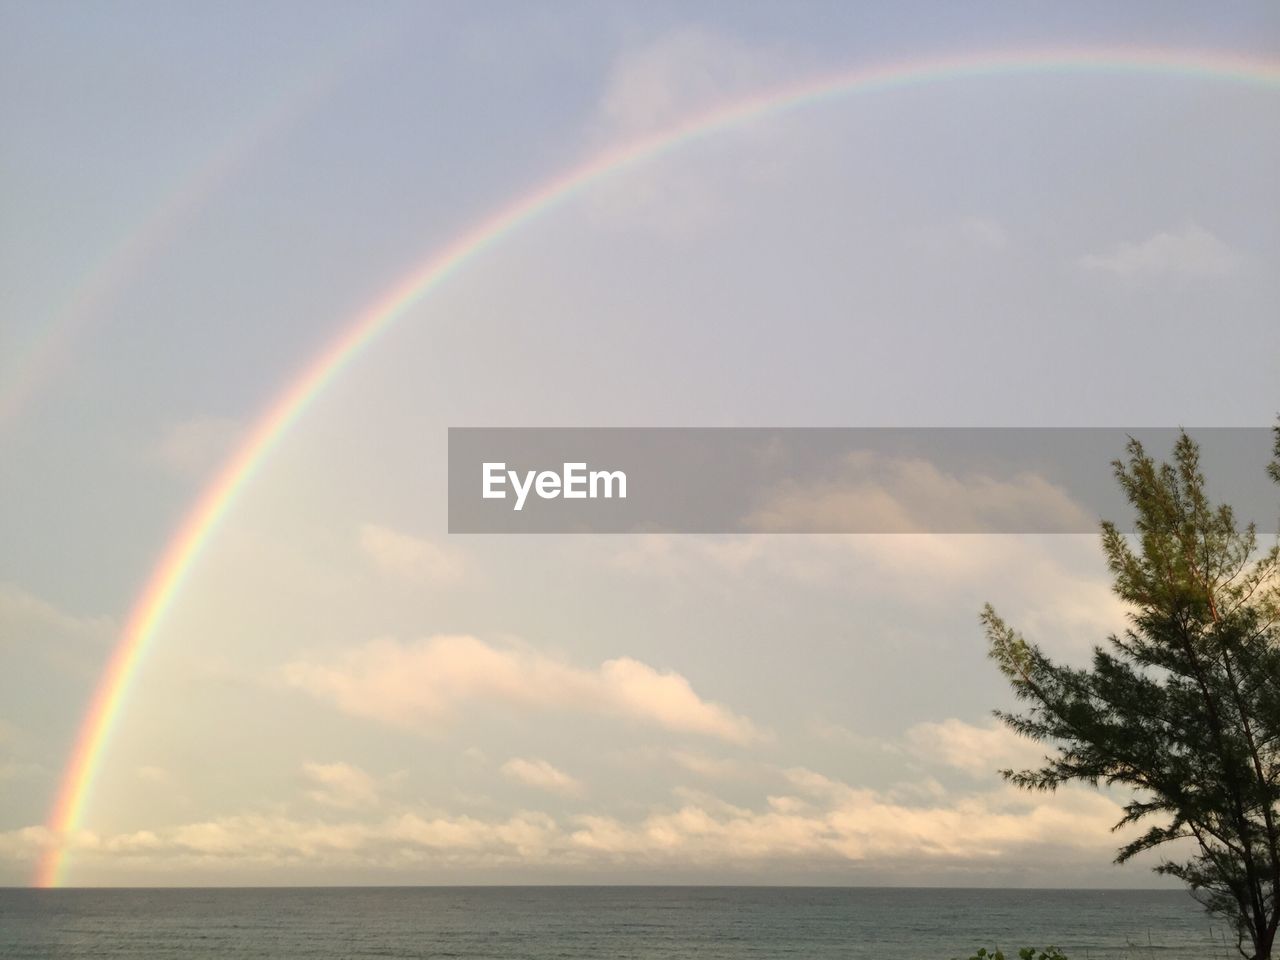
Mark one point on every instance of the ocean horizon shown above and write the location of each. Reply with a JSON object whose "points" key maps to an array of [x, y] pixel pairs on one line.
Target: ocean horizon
{"points": [[541, 922]]}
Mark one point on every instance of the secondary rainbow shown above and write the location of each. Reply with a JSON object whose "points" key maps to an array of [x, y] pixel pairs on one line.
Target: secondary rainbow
{"points": [[122, 263], [184, 548]]}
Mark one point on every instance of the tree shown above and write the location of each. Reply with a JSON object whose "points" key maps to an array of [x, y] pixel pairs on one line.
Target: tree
{"points": [[1184, 705]]}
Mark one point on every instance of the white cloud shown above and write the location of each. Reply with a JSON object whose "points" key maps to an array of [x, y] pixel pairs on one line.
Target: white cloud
{"points": [[1191, 251], [25, 844], [979, 751], [541, 775], [408, 558], [340, 785], [813, 820], [196, 447], [421, 685]]}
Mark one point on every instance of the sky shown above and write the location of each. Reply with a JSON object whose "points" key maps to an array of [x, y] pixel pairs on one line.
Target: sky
{"points": [[197, 200]]}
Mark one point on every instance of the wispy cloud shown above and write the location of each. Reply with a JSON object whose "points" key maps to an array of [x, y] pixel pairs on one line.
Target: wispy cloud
{"points": [[541, 775], [1191, 251], [976, 750], [658, 84], [679, 75], [194, 447], [32, 621], [340, 785], [712, 768], [1053, 586], [32, 627], [408, 558], [883, 494]]}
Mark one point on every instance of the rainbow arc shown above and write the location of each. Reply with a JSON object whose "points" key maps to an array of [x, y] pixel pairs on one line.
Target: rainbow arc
{"points": [[174, 567]]}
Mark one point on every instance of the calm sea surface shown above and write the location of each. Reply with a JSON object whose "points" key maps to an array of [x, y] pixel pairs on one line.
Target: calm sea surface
{"points": [[594, 923]]}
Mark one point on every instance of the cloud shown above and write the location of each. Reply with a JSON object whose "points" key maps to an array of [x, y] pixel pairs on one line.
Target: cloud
{"points": [[1054, 587], [828, 731], [683, 556], [823, 819], [656, 86], [976, 750], [1191, 251], [31, 627], [402, 839], [810, 822], [420, 686], [340, 785], [25, 844], [883, 494], [681, 75], [195, 447], [34, 622], [408, 558], [542, 775], [712, 768]]}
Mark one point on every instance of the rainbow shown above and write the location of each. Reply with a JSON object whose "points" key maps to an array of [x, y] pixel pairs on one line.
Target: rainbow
{"points": [[182, 552]]}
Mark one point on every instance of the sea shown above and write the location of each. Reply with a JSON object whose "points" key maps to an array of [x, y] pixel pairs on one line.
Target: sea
{"points": [[596, 923]]}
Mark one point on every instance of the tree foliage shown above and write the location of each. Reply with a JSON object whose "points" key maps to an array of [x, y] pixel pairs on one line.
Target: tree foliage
{"points": [[1184, 705]]}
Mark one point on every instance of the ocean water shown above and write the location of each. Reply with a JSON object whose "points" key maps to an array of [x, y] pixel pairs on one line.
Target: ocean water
{"points": [[595, 923]]}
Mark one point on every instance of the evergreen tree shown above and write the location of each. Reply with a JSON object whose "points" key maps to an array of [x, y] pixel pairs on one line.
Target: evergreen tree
{"points": [[1183, 706]]}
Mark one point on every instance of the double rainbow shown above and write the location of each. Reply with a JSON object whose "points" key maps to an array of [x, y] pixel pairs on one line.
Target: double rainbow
{"points": [[171, 572]]}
